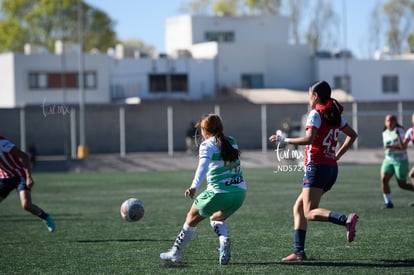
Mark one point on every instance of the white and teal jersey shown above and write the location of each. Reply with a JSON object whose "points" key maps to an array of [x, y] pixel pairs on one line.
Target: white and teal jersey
{"points": [[221, 176], [391, 138]]}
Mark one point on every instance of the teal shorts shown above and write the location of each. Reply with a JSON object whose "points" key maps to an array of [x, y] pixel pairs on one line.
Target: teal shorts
{"points": [[209, 202], [399, 168]]}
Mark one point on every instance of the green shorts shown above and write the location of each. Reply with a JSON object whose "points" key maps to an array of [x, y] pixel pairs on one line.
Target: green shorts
{"points": [[399, 168], [209, 202]]}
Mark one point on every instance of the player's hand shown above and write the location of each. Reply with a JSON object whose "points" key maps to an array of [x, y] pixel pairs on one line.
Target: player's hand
{"points": [[189, 193], [278, 137], [29, 182]]}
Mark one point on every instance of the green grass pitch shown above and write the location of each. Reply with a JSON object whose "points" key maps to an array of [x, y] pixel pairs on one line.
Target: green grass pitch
{"points": [[92, 238]]}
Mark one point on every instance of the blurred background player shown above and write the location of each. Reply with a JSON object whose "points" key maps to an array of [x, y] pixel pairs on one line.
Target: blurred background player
{"points": [[409, 137], [323, 125], [15, 174], [190, 138], [219, 162], [396, 159]]}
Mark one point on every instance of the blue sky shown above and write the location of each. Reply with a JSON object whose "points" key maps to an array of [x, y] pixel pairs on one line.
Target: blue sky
{"points": [[145, 20]]}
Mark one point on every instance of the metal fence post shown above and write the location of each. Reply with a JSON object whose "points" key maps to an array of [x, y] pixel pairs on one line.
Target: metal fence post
{"points": [[122, 148], [170, 131], [263, 118]]}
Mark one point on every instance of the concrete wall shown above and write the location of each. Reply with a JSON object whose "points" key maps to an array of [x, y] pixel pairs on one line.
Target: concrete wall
{"points": [[146, 124]]}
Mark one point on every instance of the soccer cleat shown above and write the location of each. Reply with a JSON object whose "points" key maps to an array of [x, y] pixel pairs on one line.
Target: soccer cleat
{"points": [[388, 205], [171, 256], [297, 256], [225, 251], [50, 223], [351, 222]]}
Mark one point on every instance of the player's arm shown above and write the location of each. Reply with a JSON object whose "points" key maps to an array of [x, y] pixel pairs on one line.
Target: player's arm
{"points": [[400, 134], [407, 137], [199, 176], [401, 144], [24, 158], [351, 136], [308, 138]]}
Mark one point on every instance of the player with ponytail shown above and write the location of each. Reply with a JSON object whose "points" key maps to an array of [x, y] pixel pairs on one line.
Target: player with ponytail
{"points": [[219, 163], [323, 125]]}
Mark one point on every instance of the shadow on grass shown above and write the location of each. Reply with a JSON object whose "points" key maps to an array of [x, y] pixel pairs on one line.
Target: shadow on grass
{"points": [[121, 240], [380, 263]]}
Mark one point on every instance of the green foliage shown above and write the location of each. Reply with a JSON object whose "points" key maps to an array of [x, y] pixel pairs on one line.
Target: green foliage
{"points": [[225, 7], [42, 22], [411, 42], [265, 6], [92, 238]]}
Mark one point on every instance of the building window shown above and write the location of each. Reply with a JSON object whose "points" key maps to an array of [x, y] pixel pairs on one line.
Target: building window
{"points": [[252, 81], [161, 83], [90, 80], [58, 80], [179, 83], [343, 82], [37, 80], [390, 84], [219, 36]]}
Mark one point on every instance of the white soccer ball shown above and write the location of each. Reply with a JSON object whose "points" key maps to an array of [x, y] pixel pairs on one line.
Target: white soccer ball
{"points": [[132, 210]]}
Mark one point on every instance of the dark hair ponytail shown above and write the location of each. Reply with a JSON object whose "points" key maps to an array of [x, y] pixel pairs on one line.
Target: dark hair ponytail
{"points": [[228, 152], [332, 114]]}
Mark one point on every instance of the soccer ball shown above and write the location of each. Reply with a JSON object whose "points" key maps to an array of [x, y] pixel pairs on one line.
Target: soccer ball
{"points": [[132, 210]]}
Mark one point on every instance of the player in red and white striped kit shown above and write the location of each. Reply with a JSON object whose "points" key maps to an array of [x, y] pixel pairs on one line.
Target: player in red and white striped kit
{"points": [[323, 125], [15, 174]]}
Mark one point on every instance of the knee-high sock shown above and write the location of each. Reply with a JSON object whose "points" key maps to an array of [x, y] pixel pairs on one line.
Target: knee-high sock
{"points": [[183, 237], [220, 228]]}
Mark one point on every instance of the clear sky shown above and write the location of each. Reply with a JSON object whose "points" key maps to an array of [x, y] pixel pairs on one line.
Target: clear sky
{"points": [[145, 20]]}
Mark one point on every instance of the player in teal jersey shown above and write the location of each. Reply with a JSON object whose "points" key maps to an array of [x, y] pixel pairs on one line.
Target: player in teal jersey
{"points": [[396, 159], [219, 163]]}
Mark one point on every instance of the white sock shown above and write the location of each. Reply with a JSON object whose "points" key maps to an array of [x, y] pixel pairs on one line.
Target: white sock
{"points": [[220, 227], [183, 238], [387, 198]]}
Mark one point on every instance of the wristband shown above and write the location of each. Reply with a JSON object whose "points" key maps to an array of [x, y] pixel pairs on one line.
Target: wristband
{"points": [[287, 140]]}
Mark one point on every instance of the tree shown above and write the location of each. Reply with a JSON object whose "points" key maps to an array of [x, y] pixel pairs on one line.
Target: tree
{"points": [[398, 15], [296, 7], [375, 29], [226, 7], [42, 22], [264, 6], [196, 7], [232, 7], [321, 33]]}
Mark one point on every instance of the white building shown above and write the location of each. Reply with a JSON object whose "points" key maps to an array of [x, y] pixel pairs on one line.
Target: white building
{"points": [[205, 54], [251, 51], [370, 80]]}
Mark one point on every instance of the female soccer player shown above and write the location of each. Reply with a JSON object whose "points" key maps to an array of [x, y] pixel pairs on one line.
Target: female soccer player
{"points": [[396, 159], [15, 174], [409, 137], [219, 160], [323, 125]]}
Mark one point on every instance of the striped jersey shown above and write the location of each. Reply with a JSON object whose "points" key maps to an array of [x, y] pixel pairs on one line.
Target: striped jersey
{"points": [[10, 166], [391, 138], [221, 176], [323, 148]]}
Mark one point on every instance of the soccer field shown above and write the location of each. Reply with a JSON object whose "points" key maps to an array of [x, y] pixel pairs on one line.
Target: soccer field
{"points": [[92, 238]]}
